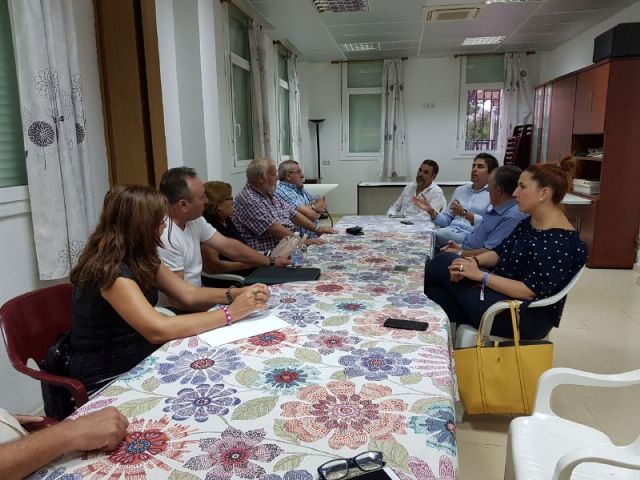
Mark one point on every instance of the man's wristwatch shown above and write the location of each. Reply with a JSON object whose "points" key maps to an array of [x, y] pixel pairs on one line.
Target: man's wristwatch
{"points": [[272, 261]]}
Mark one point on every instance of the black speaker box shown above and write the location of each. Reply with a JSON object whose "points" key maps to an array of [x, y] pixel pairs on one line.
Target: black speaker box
{"points": [[623, 40]]}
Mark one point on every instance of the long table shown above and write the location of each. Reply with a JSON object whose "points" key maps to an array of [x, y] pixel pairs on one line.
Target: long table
{"points": [[277, 405]]}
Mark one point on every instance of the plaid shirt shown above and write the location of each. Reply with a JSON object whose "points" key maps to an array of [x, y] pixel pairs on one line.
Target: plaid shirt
{"points": [[297, 196], [255, 212]]}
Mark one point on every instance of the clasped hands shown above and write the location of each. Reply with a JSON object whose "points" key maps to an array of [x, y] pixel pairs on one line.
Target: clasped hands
{"points": [[464, 267]]}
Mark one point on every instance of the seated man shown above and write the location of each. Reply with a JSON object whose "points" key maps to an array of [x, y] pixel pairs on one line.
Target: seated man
{"points": [[262, 218], [187, 231], [291, 190], [22, 453], [468, 204], [499, 220], [425, 187]]}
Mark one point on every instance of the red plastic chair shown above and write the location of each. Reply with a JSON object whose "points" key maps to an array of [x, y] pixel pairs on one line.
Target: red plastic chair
{"points": [[30, 324]]}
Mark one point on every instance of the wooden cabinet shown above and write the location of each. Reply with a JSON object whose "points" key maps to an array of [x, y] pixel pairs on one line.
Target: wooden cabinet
{"points": [[561, 119], [606, 125], [591, 100]]}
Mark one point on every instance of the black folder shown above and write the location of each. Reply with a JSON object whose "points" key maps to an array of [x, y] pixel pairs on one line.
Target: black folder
{"points": [[273, 275]]}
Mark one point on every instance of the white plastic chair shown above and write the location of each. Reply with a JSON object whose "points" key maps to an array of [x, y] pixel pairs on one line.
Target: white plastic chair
{"points": [[466, 334], [546, 446]]}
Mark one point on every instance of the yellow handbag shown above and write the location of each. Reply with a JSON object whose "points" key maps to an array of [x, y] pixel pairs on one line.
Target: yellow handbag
{"points": [[501, 377]]}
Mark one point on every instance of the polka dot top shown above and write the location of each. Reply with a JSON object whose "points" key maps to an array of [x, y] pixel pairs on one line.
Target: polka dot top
{"points": [[544, 260]]}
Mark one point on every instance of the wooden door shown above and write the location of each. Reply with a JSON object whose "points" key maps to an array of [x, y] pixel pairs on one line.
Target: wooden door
{"points": [[591, 100], [561, 118], [131, 92]]}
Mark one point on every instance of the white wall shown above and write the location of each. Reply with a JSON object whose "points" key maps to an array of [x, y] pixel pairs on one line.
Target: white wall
{"points": [[19, 393], [430, 132], [578, 52]]}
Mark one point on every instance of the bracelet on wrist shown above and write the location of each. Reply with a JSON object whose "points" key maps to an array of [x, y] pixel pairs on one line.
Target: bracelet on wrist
{"points": [[228, 294], [225, 310], [475, 258], [272, 261]]}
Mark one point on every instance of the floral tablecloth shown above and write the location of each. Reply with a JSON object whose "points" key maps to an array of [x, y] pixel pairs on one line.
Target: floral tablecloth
{"points": [[276, 406]]}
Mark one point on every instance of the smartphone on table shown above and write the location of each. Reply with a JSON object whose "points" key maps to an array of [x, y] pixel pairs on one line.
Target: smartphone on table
{"points": [[403, 324]]}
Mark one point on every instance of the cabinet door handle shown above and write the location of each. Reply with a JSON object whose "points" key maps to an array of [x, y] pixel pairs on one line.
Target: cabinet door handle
{"points": [[590, 102]]}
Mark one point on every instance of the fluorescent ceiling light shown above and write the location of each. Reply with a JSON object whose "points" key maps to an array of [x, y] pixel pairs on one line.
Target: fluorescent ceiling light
{"points": [[360, 47], [483, 40], [341, 6]]}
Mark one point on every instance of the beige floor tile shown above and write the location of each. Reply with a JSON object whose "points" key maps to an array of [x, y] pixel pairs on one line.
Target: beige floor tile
{"points": [[484, 429], [481, 462]]}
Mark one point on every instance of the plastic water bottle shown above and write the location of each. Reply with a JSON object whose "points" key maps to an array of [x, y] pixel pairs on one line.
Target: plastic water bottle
{"points": [[297, 254]]}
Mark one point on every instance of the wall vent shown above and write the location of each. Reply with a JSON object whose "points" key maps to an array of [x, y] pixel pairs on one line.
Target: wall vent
{"points": [[449, 13]]}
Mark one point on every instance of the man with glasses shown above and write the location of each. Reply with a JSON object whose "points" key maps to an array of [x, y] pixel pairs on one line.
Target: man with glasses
{"points": [[424, 187], [291, 190]]}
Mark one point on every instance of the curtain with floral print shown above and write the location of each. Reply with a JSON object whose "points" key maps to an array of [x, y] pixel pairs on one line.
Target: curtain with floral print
{"points": [[262, 147], [516, 105], [55, 131], [393, 162]]}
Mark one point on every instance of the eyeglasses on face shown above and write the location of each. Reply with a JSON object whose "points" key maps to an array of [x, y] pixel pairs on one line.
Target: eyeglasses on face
{"points": [[339, 468]]}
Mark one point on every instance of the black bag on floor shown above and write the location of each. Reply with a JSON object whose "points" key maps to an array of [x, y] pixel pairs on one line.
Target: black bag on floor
{"points": [[58, 402]]}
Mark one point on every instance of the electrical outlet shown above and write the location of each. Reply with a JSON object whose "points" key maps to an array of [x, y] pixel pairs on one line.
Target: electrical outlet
{"points": [[326, 162], [428, 105]]}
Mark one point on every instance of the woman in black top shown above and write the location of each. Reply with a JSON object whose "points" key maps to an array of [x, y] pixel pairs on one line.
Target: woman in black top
{"points": [[218, 211], [537, 260], [116, 283]]}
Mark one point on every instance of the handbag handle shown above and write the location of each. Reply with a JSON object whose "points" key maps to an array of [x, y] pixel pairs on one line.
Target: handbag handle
{"points": [[514, 307]]}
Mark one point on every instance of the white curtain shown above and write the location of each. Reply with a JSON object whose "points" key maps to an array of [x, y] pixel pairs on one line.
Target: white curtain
{"points": [[392, 156], [260, 104], [293, 67], [517, 99], [55, 131]]}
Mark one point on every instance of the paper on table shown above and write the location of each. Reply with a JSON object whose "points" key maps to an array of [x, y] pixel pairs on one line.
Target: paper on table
{"points": [[248, 327]]}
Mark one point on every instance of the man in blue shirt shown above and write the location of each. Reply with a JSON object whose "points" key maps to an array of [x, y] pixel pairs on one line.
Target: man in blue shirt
{"points": [[499, 220], [468, 204], [291, 190]]}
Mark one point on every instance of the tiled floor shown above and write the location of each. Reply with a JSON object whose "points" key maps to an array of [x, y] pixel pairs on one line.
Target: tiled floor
{"points": [[599, 332]]}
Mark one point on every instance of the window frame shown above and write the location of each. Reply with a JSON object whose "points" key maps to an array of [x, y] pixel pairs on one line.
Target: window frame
{"points": [[280, 83], [462, 111], [347, 92], [234, 59]]}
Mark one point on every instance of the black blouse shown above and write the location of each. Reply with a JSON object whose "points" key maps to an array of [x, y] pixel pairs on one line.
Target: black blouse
{"points": [[544, 260]]}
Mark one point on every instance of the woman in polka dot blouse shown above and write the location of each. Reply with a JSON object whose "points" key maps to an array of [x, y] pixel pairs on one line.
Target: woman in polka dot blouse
{"points": [[537, 260]]}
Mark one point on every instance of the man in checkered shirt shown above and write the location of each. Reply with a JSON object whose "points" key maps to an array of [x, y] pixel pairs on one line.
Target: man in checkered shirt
{"points": [[262, 218], [291, 190]]}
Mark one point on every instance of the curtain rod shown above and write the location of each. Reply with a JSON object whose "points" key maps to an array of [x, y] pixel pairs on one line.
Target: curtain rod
{"points": [[364, 61], [456, 55]]}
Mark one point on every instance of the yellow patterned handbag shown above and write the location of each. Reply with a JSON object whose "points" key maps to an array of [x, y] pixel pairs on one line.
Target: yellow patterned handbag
{"points": [[501, 377]]}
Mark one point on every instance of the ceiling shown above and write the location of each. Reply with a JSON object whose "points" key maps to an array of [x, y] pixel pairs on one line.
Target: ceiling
{"points": [[398, 26]]}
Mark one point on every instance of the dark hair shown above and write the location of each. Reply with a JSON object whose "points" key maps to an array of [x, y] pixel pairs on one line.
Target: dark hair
{"points": [[216, 193], [127, 232], [173, 184], [489, 160], [556, 176], [506, 177], [433, 164]]}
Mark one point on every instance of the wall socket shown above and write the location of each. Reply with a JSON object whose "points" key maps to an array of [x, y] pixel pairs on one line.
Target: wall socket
{"points": [[428, 105]]}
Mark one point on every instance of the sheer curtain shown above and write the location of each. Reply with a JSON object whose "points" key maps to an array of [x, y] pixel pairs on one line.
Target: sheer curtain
{"points": [[293, 68], [55, 131], [517, 99], [393, 161], [259, 91]]}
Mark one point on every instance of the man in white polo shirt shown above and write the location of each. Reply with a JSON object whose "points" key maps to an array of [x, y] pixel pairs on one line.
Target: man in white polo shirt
{"points": [[424, 187]]}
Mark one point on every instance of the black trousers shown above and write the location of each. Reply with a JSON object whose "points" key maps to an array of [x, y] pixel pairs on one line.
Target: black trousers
{"points": [[461, 302]]}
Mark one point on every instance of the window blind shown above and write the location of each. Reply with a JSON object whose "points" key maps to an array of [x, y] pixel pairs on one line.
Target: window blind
{"points": [[364, 123], [485, 69], [12, 154]]}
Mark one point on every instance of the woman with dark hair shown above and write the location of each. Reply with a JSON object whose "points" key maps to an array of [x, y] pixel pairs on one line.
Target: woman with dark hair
{"points": [[116, 283], [537, 260]]}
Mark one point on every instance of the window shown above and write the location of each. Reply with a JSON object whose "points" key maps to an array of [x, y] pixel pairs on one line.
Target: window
{"points": [[241, 111], [480, 95], [284, 121], [361, 110], [12, 162]]}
